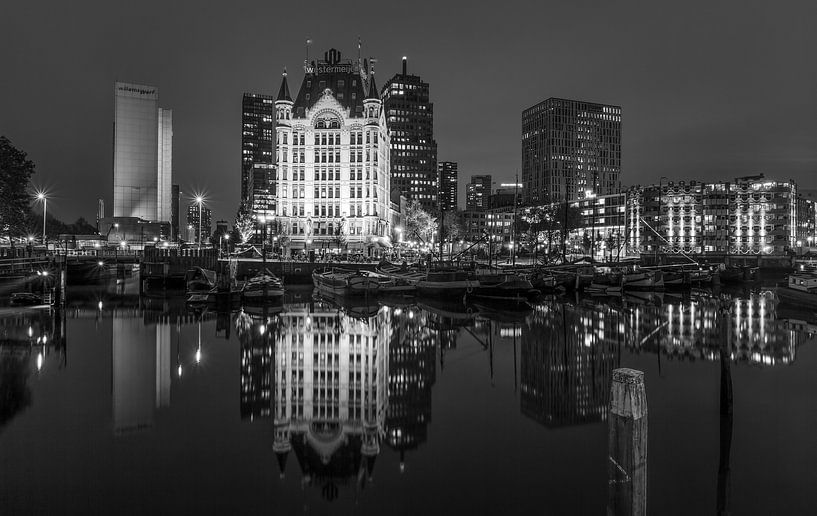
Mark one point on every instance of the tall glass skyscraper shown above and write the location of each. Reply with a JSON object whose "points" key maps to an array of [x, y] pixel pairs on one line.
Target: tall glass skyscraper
{"points": [[257, 148], [570, 149], [143, 150], [410, 118]]}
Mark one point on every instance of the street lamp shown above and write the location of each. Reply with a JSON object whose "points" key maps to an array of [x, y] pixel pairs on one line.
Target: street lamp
{"points": [[199, 201], [41, 197]]}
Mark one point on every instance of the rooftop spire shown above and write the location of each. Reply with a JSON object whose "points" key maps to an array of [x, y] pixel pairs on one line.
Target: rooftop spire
{"points": [[283, 93], [372, 88]]}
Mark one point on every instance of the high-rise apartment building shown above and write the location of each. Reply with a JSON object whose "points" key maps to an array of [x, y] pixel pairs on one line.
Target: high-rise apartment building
{"points": [[447, 174], [570, 149], [143, 149], [257, 153], [410, 117], [477, 192], [193, 222], [332, 159]]}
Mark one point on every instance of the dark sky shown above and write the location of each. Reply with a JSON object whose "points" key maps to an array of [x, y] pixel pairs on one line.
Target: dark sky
{"points": [[708, 89]]}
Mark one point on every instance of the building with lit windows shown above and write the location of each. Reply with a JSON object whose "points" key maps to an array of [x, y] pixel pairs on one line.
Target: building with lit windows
{"points": [[447, 176], [410, 118], [143, 150], [570, 148], [477, 192], [257, 153], [330, 390], [332, 182], [193, 222], [750, 215], [489, 225], [602, 224]]}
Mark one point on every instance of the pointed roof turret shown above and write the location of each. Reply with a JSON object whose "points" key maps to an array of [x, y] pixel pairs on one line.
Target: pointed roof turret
{"points": [[283, 93], [372, 89]]}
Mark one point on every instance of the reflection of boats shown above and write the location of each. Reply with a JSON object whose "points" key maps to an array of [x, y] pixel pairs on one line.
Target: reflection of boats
{"points": [[353, 306], [800, 290], [446, 283], [509, 289], [514, 313], [446, 314], [199, 280], [26, 299], [344, 282], [264, 286]]}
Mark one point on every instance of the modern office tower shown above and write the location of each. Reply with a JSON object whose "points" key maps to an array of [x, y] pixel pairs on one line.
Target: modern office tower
{"points": [[193, 222], [143, 148], [410, 116], [477, 192], [570, 150], [174, 213], [257, 151], [332, 159], [447, 174]]}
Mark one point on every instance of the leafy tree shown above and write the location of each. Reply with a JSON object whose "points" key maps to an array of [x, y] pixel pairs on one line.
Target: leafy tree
{"points": [[244, 223], [453, 227], [419, 223], [15, 173]]}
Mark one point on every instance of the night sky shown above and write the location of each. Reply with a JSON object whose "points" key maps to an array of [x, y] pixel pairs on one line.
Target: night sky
{"points": [[708, 89]]}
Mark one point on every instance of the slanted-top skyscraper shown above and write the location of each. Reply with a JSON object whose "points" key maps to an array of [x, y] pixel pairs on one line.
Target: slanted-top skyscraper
{"points": [[143, 150], [410, 117], [570, 149]]}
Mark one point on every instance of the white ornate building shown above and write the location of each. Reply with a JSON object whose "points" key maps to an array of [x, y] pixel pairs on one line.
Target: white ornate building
{"points": [[332, 156]]}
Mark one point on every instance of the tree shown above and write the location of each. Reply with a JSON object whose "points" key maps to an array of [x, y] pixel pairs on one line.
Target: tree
{"points": [[15, 173], [244, 223], [419, 223]]}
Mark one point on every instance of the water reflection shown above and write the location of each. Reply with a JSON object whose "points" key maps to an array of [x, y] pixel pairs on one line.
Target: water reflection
{"points": [[339, 385], [31, 342]]}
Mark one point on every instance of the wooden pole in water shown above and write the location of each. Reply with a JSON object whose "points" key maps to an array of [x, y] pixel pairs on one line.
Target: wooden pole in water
{"points": [[627, 444]]}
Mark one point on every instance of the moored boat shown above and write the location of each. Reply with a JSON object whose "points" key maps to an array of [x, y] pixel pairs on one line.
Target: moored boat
{"points": [[504, 288], [263, 287], [447, 283], [345, 282], [199, 280], [800, 290]]}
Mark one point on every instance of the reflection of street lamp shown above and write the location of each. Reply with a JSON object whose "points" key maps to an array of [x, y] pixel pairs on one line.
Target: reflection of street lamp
{"points": [[41, 196]]}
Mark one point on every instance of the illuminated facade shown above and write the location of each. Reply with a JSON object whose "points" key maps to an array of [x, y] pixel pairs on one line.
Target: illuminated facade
{"points": [[330, 389], [143, 150], [410, 117], [602, 223], [570, 148], [332, 158], [751, 215]]}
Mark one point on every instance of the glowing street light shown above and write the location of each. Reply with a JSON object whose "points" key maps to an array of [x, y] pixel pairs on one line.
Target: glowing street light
{"points": [[200, 202], [42, 197]]}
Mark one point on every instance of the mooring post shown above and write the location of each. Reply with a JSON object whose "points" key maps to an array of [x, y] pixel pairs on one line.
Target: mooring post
{"points": [[627, 444]]}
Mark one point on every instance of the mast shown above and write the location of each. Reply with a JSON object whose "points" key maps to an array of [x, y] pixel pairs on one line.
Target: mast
{"points": [[513, 226]]}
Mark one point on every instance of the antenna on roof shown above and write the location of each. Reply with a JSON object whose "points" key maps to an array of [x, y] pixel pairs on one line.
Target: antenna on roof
{"points": [[308, 42]]}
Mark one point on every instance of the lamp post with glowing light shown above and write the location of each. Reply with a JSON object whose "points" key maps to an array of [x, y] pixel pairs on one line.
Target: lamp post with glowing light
{"points": [[41, 197], [199, 201]]}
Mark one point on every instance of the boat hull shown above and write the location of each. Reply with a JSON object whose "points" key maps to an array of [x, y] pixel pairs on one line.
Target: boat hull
{"points": [[793, 297]]}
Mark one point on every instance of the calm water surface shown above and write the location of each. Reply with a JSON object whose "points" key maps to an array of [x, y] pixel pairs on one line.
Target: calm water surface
{"points": [[129, 406]]}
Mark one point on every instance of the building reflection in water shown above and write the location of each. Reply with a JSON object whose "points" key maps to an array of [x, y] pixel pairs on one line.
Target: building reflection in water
{"points": [[412, 372], [568, 354], [31, 342], [330, 385]]}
